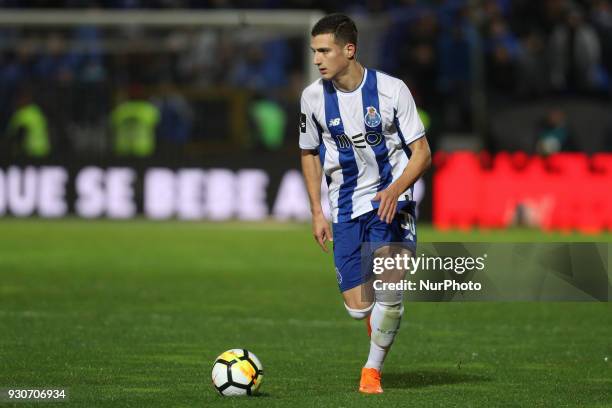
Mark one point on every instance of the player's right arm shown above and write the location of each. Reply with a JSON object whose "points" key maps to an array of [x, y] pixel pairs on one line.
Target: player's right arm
{"points": [[312, 170], [310, 141]]}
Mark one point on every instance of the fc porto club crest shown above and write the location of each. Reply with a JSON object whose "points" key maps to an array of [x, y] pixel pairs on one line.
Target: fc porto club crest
{"points": [[372, 117]]}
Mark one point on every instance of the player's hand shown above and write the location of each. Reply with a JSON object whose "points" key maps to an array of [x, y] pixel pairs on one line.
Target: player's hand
{"points": [[388, 203], [321, 231]]}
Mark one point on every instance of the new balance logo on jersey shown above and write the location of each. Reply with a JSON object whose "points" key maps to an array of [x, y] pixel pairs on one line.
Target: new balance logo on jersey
{"points": [[334, 122]]}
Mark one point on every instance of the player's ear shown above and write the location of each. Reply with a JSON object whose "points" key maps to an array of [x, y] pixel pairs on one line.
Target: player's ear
{"points": [[350, 50]]}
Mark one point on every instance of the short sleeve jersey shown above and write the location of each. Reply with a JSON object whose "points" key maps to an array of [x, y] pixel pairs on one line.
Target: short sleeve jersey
{"points": [[362, 138]]}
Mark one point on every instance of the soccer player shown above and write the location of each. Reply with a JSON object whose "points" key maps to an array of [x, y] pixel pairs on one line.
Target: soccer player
{"points": [[361, 129]]}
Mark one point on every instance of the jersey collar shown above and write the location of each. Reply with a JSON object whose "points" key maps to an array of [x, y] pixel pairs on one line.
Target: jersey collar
{"points": [[363, 80]]}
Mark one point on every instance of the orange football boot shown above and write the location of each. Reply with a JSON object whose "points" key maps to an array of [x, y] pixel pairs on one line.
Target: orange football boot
{"points": [[370, 381], [368, 326]]}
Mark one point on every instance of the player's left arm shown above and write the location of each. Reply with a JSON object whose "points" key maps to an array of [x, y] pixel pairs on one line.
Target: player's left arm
{"points": [[419, 162]]}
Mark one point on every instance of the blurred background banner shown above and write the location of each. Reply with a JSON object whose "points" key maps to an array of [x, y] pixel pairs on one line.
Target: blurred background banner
{"points": [[564, 191], [157, 192], [189, 109]]}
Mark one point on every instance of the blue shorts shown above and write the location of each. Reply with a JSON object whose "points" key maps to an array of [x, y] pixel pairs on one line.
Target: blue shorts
{"points": [[349, 237]]}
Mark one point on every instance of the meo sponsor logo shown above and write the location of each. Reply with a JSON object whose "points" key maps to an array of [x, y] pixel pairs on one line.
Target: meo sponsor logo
{"points": [[358, 140], [343, 141]]}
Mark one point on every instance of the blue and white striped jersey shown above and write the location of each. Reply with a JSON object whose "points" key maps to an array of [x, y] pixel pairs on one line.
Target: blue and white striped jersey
{"points": [[362, 138]]}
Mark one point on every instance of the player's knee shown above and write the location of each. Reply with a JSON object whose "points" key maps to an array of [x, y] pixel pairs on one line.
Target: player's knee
{"points": [[359, 314]]}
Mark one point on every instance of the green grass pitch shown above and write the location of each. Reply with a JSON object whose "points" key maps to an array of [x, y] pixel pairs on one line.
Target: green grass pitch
{"points": [[134, 313]]}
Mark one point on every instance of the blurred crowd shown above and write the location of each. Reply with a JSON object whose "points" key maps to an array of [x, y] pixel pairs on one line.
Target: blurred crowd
{"points": [[446, 50], [514, 50]]}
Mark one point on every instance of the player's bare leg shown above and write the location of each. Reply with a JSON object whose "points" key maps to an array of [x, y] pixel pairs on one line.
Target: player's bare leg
{"points": [[359, 305], [385, 318], [382, 311], [359, 302]]}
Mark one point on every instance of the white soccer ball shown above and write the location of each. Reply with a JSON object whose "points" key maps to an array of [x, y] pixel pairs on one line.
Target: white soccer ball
{"points": [[237, 372]]}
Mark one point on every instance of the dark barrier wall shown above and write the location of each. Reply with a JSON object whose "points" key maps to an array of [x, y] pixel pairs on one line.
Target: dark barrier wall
{"points": [[561, 192], [230, 187], [237, 186]]}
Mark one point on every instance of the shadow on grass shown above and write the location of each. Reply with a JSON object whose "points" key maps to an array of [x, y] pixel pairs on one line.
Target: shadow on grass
{"points": [[426, 378]]}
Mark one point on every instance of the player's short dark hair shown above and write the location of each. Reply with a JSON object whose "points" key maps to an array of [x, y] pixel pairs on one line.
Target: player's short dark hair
{"points": [[340, 25]]}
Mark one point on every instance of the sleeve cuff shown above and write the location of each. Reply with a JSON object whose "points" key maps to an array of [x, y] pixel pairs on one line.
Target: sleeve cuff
{"points": [[416, 137], [303, 147]]}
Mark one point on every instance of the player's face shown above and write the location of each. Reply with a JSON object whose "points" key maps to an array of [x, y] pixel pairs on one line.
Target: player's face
{"points": [[330, 57]]}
